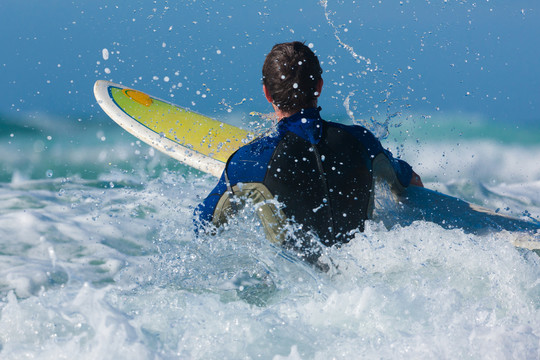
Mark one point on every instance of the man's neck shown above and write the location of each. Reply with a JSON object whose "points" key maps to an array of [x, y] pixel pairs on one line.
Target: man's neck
{"points": [[281, 114], [284, 114]]}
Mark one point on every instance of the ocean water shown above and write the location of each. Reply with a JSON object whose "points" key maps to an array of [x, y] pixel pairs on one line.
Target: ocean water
{"points": [[98, 259]]}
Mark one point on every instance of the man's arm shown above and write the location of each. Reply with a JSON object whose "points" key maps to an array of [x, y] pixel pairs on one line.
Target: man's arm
{"points": [[403, 172], [204, 212]]}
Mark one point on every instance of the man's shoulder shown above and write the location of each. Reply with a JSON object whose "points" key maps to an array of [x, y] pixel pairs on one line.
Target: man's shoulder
{"points": [[361, 134], [250, 162], [260, 148], [357, 130]]}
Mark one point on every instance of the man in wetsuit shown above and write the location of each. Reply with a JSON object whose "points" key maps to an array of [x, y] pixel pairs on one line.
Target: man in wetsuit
{"points": [[311, 181]]}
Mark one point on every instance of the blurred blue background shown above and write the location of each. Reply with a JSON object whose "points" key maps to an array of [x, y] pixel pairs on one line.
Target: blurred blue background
{"points": [[426, 57]]}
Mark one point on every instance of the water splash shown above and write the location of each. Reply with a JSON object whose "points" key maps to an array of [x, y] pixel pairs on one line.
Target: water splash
{"points": [[379, 129], [359, 58]]}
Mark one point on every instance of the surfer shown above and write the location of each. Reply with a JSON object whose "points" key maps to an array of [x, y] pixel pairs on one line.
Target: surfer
{"points": [[311, 181]]}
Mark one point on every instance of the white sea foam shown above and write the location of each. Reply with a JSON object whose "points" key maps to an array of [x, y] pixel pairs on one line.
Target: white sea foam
{"points": [[476, 160], [131, 279]]}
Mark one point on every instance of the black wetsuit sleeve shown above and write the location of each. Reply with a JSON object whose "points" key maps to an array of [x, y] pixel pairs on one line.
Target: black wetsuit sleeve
{"points": [[374, 147], [402, 168]]}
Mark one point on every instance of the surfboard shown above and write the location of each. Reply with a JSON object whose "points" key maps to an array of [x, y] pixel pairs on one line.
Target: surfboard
{"points": [[191, 138], [449, 212], [206, 144]]}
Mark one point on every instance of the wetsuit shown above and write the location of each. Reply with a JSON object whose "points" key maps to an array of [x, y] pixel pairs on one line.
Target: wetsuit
{"points": [[310, 175]]}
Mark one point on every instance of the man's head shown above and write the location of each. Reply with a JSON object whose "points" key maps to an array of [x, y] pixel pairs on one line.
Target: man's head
{"points": [[292, 77]]}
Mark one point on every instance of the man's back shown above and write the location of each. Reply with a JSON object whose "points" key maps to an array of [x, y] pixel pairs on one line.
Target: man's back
{"points": [[322, 174], [313, 174]]}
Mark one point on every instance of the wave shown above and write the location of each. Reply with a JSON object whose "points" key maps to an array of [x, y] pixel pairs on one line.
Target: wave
{"points": [[82, 262]]}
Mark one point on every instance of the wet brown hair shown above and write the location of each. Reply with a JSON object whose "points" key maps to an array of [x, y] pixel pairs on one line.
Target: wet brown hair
{"points": [[291, 72]]}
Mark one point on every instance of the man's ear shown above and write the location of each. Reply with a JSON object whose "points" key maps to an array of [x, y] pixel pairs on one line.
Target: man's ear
{"points": [[319, 87], [267, 95]]}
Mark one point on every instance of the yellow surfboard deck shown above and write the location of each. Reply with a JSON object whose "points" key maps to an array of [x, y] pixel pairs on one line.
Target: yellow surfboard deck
{"points": [[194, 139]]}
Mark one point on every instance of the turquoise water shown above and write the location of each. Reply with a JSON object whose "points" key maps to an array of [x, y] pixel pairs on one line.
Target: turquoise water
{"points": [[98, 260]]}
